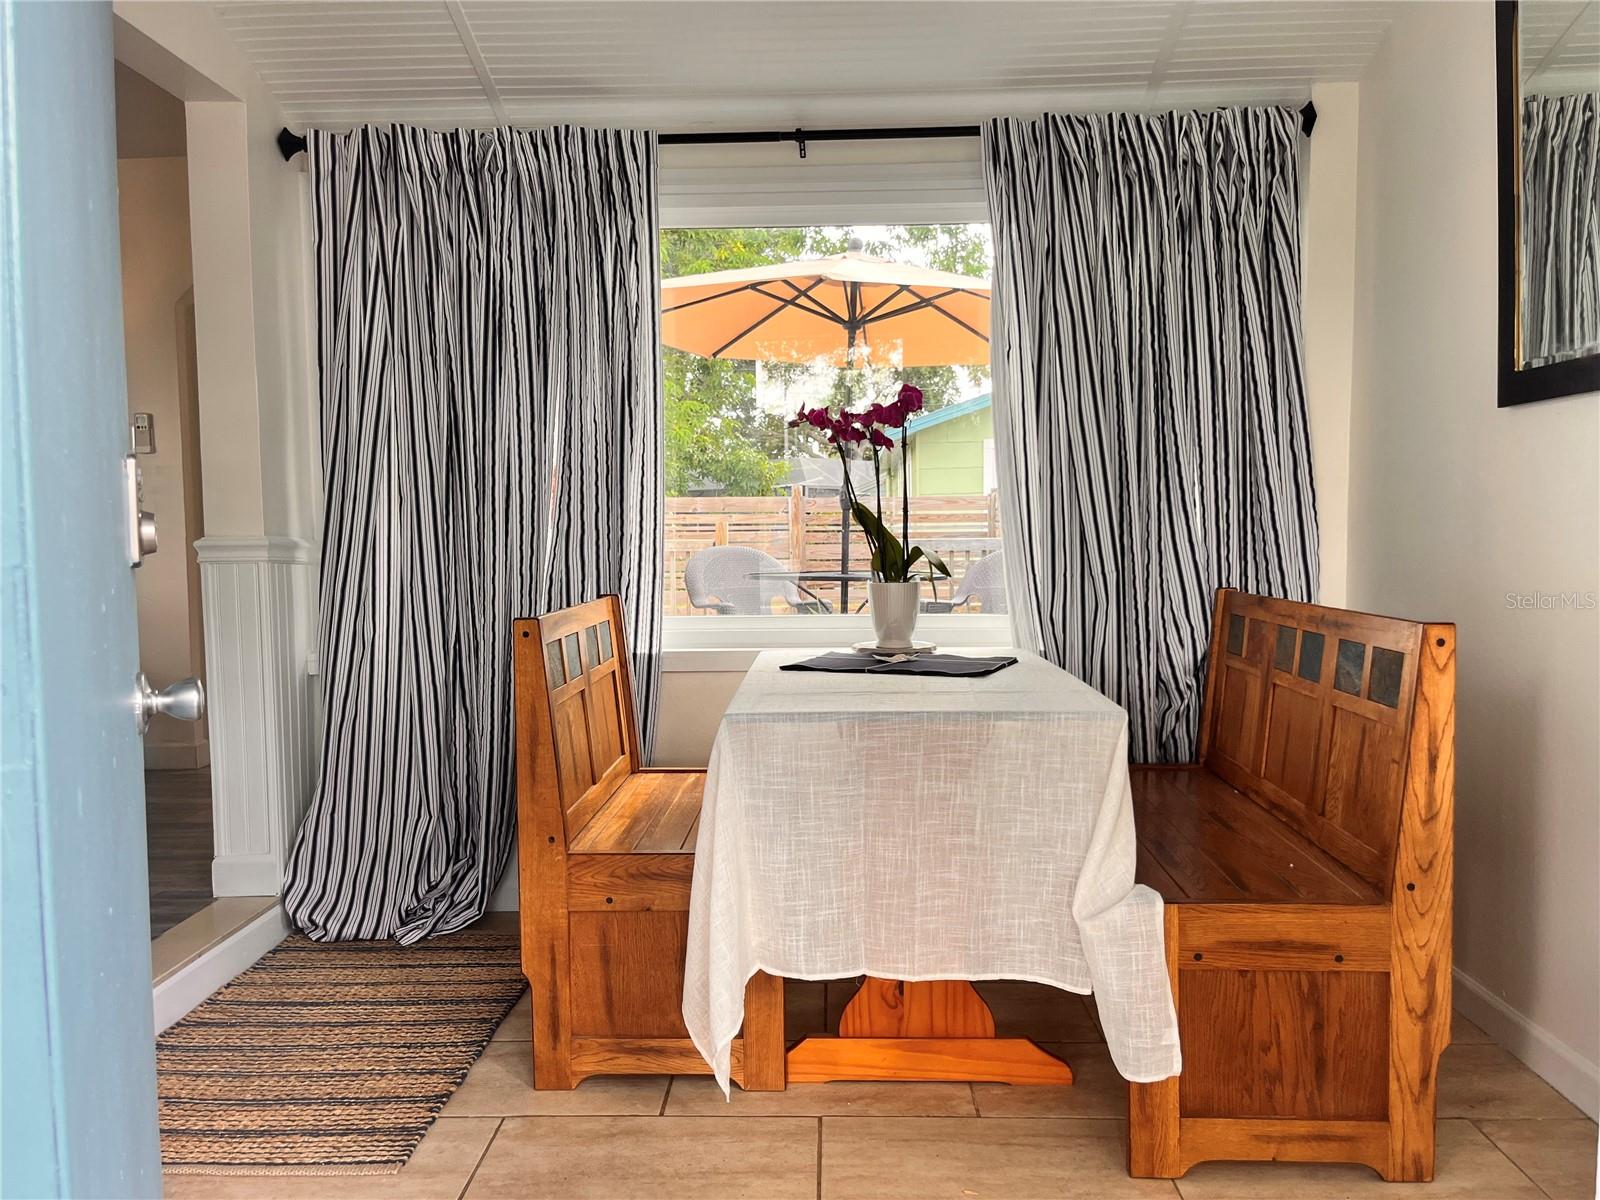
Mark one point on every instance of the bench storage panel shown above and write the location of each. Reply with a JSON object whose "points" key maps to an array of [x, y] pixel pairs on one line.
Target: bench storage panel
{"points": [[1306, 865], [606, 858]]}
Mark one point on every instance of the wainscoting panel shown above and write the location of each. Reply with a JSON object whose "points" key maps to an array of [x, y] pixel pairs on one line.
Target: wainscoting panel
{"points": [[259, 601]]}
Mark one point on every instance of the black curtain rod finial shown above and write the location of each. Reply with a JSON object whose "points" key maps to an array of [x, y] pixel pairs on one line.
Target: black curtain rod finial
{"points": [[1308, 118], [290, 143]]}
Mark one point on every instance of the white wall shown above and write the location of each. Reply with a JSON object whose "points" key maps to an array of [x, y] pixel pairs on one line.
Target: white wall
{"points": [[1328, 314], [1453, 504], [250, 250]]}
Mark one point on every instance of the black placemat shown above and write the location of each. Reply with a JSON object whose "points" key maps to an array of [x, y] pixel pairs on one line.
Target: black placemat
{"points": [[921, 664]]}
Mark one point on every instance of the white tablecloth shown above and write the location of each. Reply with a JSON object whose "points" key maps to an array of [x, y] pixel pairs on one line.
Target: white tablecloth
{"points": [[916, 828]]}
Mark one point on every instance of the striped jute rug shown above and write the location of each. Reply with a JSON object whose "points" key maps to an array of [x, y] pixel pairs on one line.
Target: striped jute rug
{"points": [[330, 1058]]}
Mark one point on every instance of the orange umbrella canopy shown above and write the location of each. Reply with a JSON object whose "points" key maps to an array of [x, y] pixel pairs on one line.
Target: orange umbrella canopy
{"points": [[849, 309]]}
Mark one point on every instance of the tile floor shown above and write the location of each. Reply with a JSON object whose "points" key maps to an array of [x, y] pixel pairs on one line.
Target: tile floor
{"points": [[1503, 1134]]}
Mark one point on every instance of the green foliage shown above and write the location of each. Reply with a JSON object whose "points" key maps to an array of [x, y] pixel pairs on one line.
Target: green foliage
{"points": [[716, 433]]}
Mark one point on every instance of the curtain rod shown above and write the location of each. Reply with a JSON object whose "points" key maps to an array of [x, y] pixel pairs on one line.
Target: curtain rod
{"points": [[290, 144]]}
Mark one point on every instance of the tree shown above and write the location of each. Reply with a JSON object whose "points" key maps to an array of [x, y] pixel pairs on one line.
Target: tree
{"points": [[717, 435]]}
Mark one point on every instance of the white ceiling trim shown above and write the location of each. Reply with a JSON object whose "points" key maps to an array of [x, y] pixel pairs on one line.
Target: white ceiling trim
{"points": [[696, 64]]}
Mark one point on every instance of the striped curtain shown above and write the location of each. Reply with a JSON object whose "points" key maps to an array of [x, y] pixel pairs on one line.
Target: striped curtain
{"points": [[1560, 227], [1150, 415], [488, 342]]}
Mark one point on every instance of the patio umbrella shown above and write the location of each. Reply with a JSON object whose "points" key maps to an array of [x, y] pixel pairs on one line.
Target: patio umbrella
{"points": [[847, 310]]}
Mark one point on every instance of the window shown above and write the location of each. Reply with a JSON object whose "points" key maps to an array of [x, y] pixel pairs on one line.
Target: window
{"points": [[760, 324]]}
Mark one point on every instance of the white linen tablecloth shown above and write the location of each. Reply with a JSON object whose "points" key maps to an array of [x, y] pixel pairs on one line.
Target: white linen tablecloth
{"points": [[919, 827]]}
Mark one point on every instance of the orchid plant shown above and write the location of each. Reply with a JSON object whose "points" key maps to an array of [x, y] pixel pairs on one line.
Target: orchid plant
{"points": [[893, 559]]}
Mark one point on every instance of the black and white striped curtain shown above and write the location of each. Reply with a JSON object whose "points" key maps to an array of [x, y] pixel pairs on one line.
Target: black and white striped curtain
{"points": [[488, 342], [1560, 227], [1149, 395]]}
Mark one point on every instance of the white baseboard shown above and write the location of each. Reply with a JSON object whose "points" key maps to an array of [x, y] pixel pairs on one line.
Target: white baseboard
{"points": [[1562, 1067], [177, 994], [246, 875]]}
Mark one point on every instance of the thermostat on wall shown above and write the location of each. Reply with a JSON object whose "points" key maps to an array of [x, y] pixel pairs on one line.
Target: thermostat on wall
{"points": [[144, 433]]}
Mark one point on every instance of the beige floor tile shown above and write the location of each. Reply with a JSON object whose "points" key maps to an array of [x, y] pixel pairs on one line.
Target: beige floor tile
{"points": [[658, 1158], [1468, 1168], [699, 1096], [1043, 1013], [518, 1025], [1464, 1033], [438, 1170], [1557, 1155], [1096, 1091], [921, 1158], [1486, 1081], [500, 1084]]}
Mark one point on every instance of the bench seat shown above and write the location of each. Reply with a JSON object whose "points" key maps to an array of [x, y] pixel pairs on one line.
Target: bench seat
{"points": [[605, 850], [1203, 841], [652, 812], [1305, 862]]}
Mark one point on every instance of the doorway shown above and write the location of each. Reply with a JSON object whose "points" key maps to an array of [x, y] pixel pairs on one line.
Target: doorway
{"points": [[164, 437]]}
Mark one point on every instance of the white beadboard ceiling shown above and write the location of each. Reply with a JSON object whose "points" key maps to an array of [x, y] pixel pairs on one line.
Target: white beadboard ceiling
{"points": [[1559, 42], [712, 65]]}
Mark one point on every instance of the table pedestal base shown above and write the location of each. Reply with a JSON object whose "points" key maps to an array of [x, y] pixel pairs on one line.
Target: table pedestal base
{"points": [[941, 1030]]}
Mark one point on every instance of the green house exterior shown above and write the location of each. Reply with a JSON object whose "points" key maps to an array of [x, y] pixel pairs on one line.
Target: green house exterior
{"points": [[952, 449]]}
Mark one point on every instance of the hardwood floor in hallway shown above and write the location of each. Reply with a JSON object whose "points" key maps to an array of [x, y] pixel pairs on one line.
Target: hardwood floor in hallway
{"points": [[178, 828]]}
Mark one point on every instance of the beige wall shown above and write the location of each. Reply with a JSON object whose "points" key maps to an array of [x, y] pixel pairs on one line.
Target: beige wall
{"points": [[157, 320], [1455, 503], [1328, 210]]}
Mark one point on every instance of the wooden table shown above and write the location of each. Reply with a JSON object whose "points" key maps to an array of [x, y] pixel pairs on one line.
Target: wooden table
{"points": [[923, 828], [939, 1030]]}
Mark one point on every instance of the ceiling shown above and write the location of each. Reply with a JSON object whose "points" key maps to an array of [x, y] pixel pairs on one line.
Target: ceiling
{"points": [[1559, 42], [695, 64]]}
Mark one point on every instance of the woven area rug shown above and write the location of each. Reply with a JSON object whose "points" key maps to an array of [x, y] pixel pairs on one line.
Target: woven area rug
{"points": [[330, 1058]]}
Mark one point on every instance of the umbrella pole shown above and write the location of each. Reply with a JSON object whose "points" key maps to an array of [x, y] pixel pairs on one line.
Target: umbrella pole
{"points": [[852, 304]]}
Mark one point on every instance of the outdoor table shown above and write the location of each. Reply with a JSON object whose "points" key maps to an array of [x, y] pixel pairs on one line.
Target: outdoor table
{"points": [[955, 545], [924, 832], [800, 578]]}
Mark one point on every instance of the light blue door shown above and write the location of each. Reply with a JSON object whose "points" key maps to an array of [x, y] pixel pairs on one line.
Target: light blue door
{"points": [[77, 1082]]}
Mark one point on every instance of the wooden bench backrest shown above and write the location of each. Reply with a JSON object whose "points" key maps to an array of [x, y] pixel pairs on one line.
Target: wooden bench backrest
{"points": [[573, 689], [1309, 710]]}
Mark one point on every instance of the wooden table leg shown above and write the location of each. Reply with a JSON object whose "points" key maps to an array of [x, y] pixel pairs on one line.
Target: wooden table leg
{"points": [[763, 1034], [941, 1030]]}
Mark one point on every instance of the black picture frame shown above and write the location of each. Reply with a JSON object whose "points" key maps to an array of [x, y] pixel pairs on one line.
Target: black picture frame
{"points": [[1518, 384]]}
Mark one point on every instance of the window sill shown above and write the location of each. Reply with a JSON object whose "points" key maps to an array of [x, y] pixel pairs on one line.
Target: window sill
{"points": [[732, 643]]}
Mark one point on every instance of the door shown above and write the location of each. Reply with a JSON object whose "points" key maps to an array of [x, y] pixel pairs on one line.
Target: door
{"points": [[77, 1097]]}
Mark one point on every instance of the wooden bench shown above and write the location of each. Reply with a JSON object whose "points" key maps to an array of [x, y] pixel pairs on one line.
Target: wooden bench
{"points": [[606, 854], [1306, 864]]}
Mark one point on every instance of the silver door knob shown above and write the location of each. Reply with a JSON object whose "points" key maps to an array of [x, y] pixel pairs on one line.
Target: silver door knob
{"points": [[185, 700]]}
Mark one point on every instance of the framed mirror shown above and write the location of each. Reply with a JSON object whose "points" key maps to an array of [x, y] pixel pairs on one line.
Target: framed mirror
{"points": [[1548, 54]]}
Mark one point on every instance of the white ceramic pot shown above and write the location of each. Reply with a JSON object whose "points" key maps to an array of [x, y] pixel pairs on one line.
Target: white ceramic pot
{"points": [[894, 613]]}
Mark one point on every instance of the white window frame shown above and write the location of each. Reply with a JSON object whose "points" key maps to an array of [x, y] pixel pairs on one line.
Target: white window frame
{"points": [[757, 186]]}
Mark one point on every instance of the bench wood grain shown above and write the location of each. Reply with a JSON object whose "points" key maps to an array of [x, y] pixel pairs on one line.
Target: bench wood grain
{"points": [[606, 856], [1306, 862]]}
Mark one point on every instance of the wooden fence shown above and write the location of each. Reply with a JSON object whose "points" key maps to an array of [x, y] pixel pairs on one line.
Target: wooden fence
{"points": [[803, 534]]}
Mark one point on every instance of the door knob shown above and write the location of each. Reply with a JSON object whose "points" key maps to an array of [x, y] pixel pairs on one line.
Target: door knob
{"points": [[185, 700]]}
